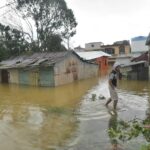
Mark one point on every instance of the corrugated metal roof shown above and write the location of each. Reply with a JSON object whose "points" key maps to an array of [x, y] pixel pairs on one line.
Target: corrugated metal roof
{"points": [[11, 62], [36, 59], [33, 60], [92, 55], [133, 63], [143, 57]]}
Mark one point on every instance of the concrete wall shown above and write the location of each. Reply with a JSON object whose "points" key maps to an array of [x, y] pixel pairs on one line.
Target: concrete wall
{"points": [[117, 51], [24, 76], [16, 78], [127, 49], [13, 76], [34, 77], [93, 46], [87, 70], [72, 69], [63, 71], [46, 76], [66, 71]]}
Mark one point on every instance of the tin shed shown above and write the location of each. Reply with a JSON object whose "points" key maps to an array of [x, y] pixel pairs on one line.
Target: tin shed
{"points": [[46, 69]]}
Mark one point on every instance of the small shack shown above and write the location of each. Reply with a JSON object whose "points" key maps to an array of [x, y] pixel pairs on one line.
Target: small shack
{"points": [[46, 69], [135, 70], [142, 57], [98, 57]]}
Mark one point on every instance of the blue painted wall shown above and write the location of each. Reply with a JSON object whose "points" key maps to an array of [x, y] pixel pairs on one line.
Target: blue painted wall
{"points": [[46, 77], [24, 77]]}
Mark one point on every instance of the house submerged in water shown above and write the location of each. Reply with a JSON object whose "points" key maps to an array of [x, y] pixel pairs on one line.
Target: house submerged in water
{"points": [[46, 69], [136, 68]]}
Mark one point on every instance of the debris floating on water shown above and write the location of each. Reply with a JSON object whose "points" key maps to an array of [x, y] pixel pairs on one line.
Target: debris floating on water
{"points": [[101, 97], [95, 97]]}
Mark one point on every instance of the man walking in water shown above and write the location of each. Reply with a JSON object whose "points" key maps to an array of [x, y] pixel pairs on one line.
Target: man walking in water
{"points": [[113, 76]]}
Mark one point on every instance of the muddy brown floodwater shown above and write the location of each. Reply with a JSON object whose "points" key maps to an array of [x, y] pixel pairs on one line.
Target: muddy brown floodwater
{"points": [[66, 117]]}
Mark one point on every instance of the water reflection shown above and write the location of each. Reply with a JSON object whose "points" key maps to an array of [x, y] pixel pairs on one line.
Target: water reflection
{"points": [[33, 118], [139, 87], [134, 98], [95, 119]]}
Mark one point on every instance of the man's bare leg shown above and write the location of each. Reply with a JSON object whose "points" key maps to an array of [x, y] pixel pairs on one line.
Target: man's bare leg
{"points": [[109, 100], [115, 104]]}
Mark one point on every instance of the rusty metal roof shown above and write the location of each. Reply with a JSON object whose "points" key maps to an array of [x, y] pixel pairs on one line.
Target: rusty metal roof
{"points": [[143, 57], [37, 59], [33, 60], [133, 63]]}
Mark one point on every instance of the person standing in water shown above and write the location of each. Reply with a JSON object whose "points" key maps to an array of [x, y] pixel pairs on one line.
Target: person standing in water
{"points": [[113, 77]]}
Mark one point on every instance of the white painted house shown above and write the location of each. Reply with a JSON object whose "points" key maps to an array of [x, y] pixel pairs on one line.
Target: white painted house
{"points": [[93, 46]]}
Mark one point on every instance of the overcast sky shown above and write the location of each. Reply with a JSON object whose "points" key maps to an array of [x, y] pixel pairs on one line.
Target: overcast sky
{"points": [[109, 20], [104, 21]]}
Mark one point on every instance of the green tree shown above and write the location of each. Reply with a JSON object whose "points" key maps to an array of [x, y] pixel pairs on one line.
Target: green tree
{"points": [[12, 42], [69, 26], [51, 18]]}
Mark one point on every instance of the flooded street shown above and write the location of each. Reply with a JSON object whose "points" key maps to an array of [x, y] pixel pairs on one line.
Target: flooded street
{"points": [[66, 117]]}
